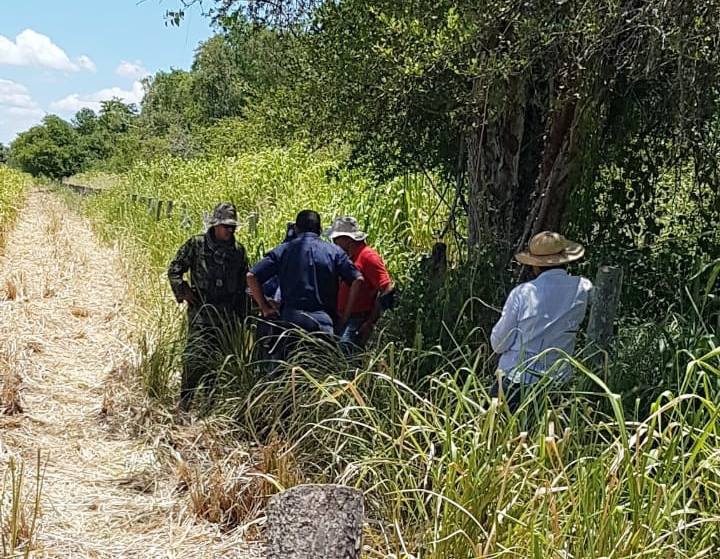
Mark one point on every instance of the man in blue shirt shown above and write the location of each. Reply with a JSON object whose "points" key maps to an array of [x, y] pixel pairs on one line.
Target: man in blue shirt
{"points": [[309, 271]]}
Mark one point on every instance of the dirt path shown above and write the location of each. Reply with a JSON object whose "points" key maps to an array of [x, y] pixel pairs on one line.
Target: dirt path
{"points": [[63, 326]]}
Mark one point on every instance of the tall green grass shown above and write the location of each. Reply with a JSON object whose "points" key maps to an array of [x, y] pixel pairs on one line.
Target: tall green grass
{"points": [[13, 185], [19, 511], [447, 471], [401, 218]]}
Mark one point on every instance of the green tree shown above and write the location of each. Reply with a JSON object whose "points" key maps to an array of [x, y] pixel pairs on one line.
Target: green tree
{"points": [[50, 149], [168, 102], [4, 152], [116, 117], [219, 90], [169, 111], [101, 135], [85, 121], [523, 103]]}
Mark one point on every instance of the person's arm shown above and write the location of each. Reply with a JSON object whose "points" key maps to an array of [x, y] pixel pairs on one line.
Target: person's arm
{"points": [[260, 273], [352, 276], [244, 268], [267, 309], [504, 332], [178, 267], [366, 327], [241, 299], [352, 298]]}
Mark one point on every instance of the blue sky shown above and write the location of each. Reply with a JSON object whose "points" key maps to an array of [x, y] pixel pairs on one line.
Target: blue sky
{"points": [[57, 56]]}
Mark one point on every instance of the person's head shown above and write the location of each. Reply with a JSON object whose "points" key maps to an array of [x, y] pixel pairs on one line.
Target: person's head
{"points": [[224, 221], [548, 251], [224, 232], [289, 232], [307, 221], [347, 244], [345, 232]]}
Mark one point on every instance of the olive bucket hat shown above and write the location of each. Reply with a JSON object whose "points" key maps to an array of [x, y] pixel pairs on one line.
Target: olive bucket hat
{"points": [[550, 249], [223, 214]]}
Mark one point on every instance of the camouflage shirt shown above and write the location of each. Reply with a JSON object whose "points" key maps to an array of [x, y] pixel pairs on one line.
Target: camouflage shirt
{"points": [[217, 277]]}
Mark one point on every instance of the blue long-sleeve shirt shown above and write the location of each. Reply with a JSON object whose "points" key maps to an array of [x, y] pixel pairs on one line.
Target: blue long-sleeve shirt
{"points": [[309, 271]]}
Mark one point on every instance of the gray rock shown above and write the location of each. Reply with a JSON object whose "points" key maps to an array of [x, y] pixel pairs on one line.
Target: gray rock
{"points": [[315, 522]]}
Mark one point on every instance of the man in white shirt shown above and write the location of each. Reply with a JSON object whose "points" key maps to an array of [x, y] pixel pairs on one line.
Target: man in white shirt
{"points": [[541, 318]]}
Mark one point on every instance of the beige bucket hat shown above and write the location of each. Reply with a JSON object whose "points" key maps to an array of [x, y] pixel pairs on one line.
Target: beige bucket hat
{"points": [[550, 249], [346, 226]]}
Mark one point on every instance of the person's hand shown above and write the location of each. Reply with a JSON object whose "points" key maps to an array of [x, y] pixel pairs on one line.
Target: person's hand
{"points": [[188, 296], [269, 312]]}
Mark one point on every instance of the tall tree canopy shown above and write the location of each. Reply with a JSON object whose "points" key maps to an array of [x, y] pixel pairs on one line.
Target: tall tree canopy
{"points": [[57, 148], [49, 149], [523, 102]]}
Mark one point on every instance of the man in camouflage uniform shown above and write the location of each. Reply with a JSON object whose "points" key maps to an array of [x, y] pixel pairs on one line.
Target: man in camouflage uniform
{"points": [[216, 299]]}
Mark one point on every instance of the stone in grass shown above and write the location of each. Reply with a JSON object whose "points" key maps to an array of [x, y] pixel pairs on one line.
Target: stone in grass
{"points": [[315, 521]]}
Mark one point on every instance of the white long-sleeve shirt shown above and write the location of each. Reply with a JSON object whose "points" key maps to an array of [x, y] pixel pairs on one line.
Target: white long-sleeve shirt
{"points": [[542, 314]]}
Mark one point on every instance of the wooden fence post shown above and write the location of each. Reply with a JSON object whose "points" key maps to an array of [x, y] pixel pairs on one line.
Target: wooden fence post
{"points": [[169, 208], [252, 223], [605, 297], [186, 222], [436, 265], [312, 521], [158, 210]]}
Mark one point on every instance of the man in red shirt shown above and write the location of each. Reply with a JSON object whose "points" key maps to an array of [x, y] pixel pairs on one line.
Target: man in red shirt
{"points": [[345, 232]]}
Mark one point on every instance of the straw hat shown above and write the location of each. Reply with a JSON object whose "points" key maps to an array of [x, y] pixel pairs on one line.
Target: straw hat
{"points": [[346, 226], [550, 249]]}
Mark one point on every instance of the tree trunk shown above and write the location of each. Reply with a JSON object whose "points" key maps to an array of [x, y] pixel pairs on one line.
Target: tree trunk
{"points": [[493, 173], [552, 187]]}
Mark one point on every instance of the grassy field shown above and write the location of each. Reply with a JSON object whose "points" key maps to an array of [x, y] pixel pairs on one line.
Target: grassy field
{"points": [[446, 470], [400, 217], [12, 188]]}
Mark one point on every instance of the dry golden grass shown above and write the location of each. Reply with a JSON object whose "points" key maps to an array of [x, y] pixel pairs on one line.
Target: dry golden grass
{"points": [[79, 312], [231, 487], [107, 492], [15, 287], [11, 379], [20, 507]]}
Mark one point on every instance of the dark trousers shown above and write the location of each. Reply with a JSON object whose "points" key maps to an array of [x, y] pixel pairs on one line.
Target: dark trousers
{"points": [[290, 340], [512, 392], [205, 349], [350, 341]]}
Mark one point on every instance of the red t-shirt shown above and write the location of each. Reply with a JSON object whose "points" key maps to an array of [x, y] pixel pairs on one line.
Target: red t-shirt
{"points": [[372, 267]]}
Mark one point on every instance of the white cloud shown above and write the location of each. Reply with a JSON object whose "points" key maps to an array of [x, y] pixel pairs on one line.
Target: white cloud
{"points": [[15, 95], [86, 63], [16, 119], [31, 48], [73, 103], [18, 111], [133, 70], [25, 112]]}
